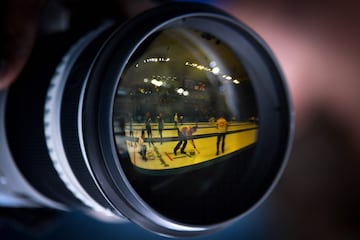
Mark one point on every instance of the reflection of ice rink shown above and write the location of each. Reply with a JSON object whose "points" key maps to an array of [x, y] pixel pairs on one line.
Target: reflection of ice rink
{"points": [[161, 156]]}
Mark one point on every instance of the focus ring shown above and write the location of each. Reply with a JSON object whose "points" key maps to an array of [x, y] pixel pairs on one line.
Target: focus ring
{"points": [[60, 113]]}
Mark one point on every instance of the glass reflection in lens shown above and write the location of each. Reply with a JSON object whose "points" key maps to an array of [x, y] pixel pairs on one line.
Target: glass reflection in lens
{"points": [[184, 101]]}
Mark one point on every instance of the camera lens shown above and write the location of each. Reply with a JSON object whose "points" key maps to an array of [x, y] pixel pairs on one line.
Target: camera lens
{"points": [[178, 119], [186, 71]]}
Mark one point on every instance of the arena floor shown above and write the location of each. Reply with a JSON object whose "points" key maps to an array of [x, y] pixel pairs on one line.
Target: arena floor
{"points": [[160, 156]]}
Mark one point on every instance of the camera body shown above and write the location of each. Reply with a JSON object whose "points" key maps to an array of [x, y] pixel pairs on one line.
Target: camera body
{"points": [[33, 101], [178, 120], [15, 190]]}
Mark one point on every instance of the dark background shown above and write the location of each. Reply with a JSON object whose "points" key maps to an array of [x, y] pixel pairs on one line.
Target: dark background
{"points": [[78, 226], [318, 196]]}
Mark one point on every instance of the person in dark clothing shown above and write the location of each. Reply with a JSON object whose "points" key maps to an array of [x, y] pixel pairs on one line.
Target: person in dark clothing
{"points": [[148, 127], [160, 121]]}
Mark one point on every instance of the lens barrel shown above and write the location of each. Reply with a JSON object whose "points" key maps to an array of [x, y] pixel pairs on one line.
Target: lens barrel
{"points": [[132, 122]]}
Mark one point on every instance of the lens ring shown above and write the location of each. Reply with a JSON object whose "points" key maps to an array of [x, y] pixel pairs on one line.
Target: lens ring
{"points": [[53, 127], [272, 99]]}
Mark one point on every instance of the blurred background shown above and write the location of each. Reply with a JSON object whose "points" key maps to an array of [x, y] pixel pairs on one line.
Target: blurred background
{"points": [[317, 45]]}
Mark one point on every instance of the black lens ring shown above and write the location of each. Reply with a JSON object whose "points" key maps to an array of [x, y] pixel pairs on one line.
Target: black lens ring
{"points": [[69, 116], [100, 145], [24, 121]]}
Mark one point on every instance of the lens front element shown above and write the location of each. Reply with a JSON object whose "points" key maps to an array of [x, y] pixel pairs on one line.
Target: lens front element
{"points": [[186, 121]]}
